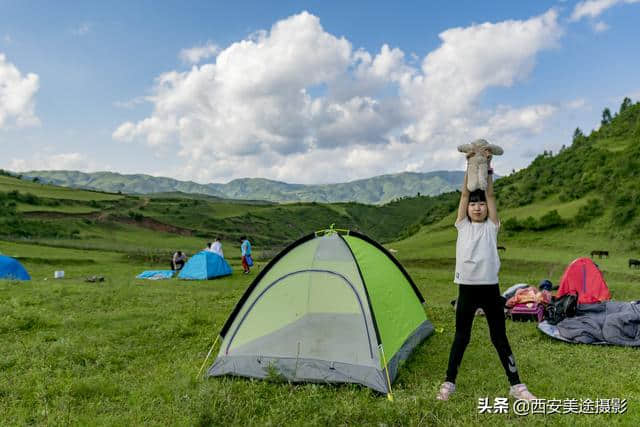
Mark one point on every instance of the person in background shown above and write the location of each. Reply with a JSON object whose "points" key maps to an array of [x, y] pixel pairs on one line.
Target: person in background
{"points": [[178, 260], [247, 261], [216, 247]]}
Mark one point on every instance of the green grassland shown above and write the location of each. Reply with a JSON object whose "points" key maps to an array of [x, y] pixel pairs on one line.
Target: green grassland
{"points": [[33, 210], [127, 351], [73, 209], [50, 191]]}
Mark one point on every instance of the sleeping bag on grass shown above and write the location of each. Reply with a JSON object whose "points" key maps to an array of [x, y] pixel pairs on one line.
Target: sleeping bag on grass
{"points": [[155, 274], [612, 322]]}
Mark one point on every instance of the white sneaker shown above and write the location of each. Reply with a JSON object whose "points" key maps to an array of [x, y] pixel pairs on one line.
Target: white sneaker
{"points": [[521, 392], [446, 389]]}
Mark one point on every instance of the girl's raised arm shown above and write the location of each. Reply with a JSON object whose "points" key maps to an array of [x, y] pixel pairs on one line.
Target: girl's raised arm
{"points": [[491, 197], [464, 199]]}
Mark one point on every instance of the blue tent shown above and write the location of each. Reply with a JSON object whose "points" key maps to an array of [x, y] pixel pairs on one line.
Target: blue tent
{"points": [[205, 265], [11, 269]]}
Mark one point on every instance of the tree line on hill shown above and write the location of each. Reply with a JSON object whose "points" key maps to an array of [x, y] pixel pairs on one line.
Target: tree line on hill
{"points": [[603, 166]]}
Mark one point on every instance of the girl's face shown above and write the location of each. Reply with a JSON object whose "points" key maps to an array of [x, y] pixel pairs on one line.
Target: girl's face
{"points": [[477, 211]]}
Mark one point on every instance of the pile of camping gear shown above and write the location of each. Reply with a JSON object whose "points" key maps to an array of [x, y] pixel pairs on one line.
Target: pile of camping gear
{"points": [[524, 302], [580, 312]]}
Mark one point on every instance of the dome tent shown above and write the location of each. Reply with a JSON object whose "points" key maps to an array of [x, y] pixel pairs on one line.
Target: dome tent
{"points": [[584, 279], [205, 265], [331, 307], [11, 269]]}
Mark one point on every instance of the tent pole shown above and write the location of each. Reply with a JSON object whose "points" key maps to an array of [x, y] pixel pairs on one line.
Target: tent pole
{"points": [[207, 358], [386, 370]]}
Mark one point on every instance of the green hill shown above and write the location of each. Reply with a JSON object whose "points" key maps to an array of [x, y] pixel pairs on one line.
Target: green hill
{"points": [[115, 182], [376, 190], [595, 182], [60, 216]]}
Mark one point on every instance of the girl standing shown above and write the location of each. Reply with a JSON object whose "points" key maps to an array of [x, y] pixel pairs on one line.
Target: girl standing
{"points": [[477, 267]]}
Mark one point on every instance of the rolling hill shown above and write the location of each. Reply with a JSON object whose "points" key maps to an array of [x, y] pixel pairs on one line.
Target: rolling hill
{"points": [[376, 190]]}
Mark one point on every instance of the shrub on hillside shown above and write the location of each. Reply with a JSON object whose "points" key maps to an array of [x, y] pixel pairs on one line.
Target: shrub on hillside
{"points": [[551, 219], [623, 215], [530, 223], [593, 209], [136, 216], [512, 224]]}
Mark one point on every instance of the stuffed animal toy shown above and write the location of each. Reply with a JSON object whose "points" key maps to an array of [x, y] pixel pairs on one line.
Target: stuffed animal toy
{"points": [[477, 166]]}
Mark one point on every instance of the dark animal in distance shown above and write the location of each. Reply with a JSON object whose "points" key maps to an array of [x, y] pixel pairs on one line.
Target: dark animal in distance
{"points": [[634, 263], [600, 254], [502, 248]]}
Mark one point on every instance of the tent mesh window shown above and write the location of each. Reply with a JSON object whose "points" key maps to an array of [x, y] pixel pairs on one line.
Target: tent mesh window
{"points": [[315, 309]]}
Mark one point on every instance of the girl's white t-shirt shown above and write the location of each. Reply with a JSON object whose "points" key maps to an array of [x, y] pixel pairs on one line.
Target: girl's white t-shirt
{"points": [[477, 261]]}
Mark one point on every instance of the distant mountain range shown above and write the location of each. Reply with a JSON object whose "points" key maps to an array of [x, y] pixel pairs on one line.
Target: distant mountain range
{"points": [[377, 190]]}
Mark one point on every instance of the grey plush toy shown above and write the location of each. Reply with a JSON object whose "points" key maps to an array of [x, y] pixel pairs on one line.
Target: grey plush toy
{"points": [[477, 166]]}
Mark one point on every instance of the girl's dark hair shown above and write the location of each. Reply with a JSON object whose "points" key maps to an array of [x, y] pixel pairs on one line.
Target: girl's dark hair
{"points": [[477, 196]]}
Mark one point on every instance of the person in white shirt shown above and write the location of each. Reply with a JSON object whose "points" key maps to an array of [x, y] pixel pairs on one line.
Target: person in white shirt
{"points": [[477, 267], [178, 260], [216, 247]]}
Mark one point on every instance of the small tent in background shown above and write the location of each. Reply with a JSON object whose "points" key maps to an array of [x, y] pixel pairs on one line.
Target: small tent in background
{"points": [[11, 269], [205, 265], [331, 307], [583, 278]]}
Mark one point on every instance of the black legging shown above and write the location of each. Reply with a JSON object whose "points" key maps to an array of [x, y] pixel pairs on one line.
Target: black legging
{"points": [[487, 297]]}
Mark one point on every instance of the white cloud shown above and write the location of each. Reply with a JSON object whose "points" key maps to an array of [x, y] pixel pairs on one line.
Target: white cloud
{"points": [[594, 8], [525, 120], [600, 27], [132, 103], [62, 161], [17, 96], [196, 54], [82, 29], [472, 59], [576, 104], [296, 102]]}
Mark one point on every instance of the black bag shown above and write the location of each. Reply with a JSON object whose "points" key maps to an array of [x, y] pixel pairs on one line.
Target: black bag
{"points": [[560, 308]]}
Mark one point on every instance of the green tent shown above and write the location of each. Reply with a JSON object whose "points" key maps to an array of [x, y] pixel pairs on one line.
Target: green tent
{"points": [[332, 307]]}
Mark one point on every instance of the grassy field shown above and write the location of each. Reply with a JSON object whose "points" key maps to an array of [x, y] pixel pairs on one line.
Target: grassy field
{"points": [[50, 191], [126, 351], [72, 214]]}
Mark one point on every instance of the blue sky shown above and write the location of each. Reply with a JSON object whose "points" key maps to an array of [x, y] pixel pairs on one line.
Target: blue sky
{"points": [[304, 91]]}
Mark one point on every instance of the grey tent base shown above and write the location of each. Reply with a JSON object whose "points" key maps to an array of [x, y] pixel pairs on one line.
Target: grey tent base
{"points": [[319, 371]]}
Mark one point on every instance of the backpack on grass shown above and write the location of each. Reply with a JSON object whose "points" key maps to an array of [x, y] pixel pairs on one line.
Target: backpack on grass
{"points": [[560, 308]]}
